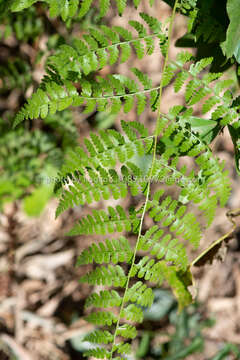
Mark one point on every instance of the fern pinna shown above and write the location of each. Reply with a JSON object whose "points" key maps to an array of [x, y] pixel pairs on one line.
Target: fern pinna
{"points": [[107, 168]]}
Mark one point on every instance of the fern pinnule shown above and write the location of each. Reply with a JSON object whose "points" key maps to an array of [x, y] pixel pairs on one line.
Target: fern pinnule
{"points": [[158, 271], [110, 276], [101, 222], [99, 336], [104, 299], [114, 250], [53, 97], [132, 313], [161, 246], [101, 318], [169, 214]]}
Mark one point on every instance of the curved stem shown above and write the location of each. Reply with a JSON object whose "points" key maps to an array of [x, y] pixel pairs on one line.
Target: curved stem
{"points": [[209, 253]]}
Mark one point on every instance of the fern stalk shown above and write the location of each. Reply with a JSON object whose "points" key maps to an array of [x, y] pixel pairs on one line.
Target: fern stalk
{"points": [[150, 176]]}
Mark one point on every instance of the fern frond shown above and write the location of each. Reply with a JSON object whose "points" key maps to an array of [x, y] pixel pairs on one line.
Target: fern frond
{"points": [[102, 184], [101, 222], [97, 353], [161, 246], [112, 164], [198, 88], [186, 5], [105, 94], [132, 313], [147, 268], [53, 97], [101, 47], [127, 331], [115, 148], [89, 179], [102, 318], [110, 93], [140, 294], [168, 213], [25, 25], [206, 187], [117, 90], [99, 336], [104, 299], [110, 276], [157, 272], [115, 251], [21, 4], [69, 8], [122, 348]]}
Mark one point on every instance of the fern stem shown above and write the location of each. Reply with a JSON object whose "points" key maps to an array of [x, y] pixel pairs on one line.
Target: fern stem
{"points": [[150, 176], [131, 268], [165, 66], [120, 95], [124, 42]]}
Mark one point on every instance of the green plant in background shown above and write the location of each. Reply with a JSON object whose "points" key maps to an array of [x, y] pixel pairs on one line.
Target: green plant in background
{"points": [[187, 338], [15, 74], [29, 157], [107, 166], [25, 25], [29, 160]]}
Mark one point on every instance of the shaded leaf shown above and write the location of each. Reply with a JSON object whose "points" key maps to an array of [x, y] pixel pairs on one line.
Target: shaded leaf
{"points": [[235, 135], [231, 45]]}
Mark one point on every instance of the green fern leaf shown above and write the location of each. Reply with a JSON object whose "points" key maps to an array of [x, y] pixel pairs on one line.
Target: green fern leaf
{"points": [[19, 5], [104, 299], [121, 348], [99, 336], [85, 6], [132, 313], [104, 5], [110, 276], [195, 69], [115, 250], [121, 5], [209, 104], [101, 222], [127, 331], [143, 78], [152, 22], [163, 246], [179, 282], [139, 293], [169, 74], [101, 318], [98, 353]]}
